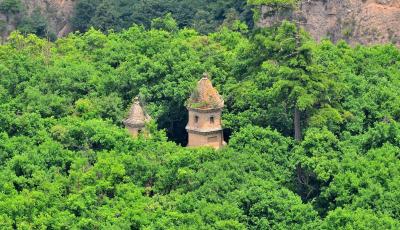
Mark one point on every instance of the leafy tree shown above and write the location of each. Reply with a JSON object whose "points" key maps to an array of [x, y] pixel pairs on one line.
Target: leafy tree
{"points": [[67, 162], [84, 11], [167, 23], [10, 7], [35, 24], [359, 219], [204, 16], [319, 159], [105, 16]]}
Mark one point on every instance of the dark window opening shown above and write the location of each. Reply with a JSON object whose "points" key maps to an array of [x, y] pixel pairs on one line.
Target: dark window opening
{"points": [[211, 120], [196, 119]]}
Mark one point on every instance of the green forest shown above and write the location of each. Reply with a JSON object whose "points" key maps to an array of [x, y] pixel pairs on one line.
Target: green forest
{"points": [[203, 15], [313, 129]]}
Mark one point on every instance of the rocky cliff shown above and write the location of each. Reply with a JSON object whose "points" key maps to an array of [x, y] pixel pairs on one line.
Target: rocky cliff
{"points": [[57, 14], [356, 21]]}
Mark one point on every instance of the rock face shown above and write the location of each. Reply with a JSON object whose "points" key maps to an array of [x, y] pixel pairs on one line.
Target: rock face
{"points": [[356, 21], [56, 12]]}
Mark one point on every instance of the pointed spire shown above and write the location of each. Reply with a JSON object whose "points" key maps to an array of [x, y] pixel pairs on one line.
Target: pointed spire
{"points": [[205, 96], [137, 116]]}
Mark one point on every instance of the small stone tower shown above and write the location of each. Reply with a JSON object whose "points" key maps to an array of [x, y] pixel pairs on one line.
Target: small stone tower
{"points": [[137, 119], [205, 107]]}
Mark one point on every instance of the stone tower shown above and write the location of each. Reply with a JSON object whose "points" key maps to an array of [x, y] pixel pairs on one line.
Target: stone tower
{"points": [[137, 119], [205, 107]]}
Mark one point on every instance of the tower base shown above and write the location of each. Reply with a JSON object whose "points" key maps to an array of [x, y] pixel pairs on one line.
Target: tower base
{"points": [[213, 139]]}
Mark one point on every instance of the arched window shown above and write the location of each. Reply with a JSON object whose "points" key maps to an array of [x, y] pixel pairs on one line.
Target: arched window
{"points": [[212, 120], [196, 119]]}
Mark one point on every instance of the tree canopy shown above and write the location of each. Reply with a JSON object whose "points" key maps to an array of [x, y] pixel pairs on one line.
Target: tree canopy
{"points": [[66, 160], [203, 15]]}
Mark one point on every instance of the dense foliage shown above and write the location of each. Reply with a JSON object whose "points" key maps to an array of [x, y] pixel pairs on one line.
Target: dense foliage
{"points": [[67, 162], [203, 15]]}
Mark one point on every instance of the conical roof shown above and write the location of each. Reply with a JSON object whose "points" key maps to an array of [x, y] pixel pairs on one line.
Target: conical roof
{"points": [[137, 117], [205, 96]]}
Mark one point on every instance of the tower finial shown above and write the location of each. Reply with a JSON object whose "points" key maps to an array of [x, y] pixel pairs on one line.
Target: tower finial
{"points": [[205, 75], [136, 100], [137, 118]]}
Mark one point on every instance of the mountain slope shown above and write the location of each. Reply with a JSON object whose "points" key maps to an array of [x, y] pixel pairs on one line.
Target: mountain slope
{"points": [[43, 17], [356, 21]]}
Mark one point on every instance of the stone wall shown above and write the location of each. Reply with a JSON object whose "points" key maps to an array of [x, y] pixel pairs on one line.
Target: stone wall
{"points": [[205, 128]]}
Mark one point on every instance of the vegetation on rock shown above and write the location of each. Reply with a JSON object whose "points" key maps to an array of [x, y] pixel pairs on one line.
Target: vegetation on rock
{"points": [[204, 16]]}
